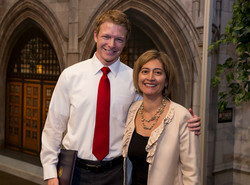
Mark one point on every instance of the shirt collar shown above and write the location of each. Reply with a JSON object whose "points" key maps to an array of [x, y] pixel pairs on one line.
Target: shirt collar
{"points": [[97, 66]]}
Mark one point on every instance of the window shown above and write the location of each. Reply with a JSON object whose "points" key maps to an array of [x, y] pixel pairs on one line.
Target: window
{"points": [[34, 58]]}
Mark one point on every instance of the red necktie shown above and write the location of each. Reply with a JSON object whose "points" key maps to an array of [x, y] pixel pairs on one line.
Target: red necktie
{"points": [[101, 135]]}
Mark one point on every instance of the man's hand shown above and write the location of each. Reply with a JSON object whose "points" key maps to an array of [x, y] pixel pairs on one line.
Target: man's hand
{"points": [[194, 123], [53, 181]]}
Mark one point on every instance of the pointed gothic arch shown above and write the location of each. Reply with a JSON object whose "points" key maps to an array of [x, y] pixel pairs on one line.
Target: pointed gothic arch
{"points": [[45, 20], [32, 72], [24, 16], [171, 30]]}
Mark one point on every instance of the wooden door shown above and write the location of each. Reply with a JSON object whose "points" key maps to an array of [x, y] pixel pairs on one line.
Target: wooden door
{"points": [[26, 111], [14, 114], [48, 89], [31, 116]]}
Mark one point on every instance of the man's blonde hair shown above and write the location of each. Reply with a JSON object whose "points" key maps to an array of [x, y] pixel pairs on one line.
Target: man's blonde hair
{"points": [[114, 16]]}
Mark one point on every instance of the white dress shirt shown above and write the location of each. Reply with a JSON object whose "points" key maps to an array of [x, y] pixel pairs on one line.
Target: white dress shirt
{"points": [[73, 107]]}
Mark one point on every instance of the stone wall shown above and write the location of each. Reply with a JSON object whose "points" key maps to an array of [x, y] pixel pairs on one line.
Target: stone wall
{"points": [[69, 26], [231, 156]]}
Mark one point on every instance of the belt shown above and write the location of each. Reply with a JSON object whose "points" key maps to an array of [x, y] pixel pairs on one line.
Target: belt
{"points": [[99, 166]]}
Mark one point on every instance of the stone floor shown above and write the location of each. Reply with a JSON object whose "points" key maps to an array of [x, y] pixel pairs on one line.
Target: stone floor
{"points": [[8, 179], [11, 170]]}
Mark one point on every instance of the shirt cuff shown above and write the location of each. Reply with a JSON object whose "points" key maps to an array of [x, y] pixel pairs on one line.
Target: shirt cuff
{"points": [[49, 172]]}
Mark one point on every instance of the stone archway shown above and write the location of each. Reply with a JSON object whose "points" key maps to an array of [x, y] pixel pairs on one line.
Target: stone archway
{"points": [[37, 11], [33, 70], [21, 16], [172, 31]]}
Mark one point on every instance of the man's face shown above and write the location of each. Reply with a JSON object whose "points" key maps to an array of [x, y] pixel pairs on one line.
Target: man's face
{"points": [[110, 42]]}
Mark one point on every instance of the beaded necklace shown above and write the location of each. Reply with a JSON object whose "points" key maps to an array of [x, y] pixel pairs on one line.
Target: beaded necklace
{"points": [[155, 117]]}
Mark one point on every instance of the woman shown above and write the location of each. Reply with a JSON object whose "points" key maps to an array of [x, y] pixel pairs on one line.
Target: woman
{"points": [[157, 140]]}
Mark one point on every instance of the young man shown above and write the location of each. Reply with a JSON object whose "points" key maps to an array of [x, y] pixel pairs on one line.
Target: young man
{"points": [[74, 107]]}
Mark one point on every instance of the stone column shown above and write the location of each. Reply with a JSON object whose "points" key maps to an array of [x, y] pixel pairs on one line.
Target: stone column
{"points": [[205, 87], [73, 48]]}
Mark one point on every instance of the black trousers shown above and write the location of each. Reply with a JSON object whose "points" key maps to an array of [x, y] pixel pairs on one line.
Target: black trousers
{"points": [[111, 176]]}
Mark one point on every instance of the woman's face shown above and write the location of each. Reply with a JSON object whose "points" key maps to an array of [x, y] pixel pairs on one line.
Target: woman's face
{"points": [[152, 78]]}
